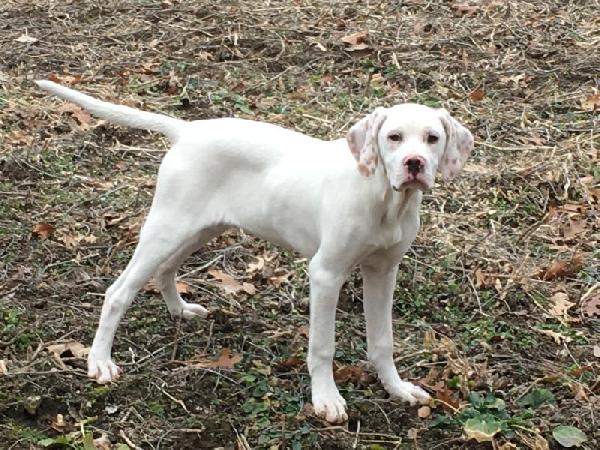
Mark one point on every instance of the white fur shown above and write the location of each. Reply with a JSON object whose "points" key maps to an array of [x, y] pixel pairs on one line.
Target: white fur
{"points": [[296, 191]]}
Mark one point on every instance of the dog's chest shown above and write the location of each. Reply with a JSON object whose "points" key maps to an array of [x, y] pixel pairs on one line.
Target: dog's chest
{"points": [[395, 228]]}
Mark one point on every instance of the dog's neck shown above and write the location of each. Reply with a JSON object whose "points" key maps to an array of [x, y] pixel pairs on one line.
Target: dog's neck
{"points": [[391, 204]]}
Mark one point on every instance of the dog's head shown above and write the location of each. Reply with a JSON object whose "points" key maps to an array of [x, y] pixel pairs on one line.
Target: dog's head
{"points": [[413, 142]]}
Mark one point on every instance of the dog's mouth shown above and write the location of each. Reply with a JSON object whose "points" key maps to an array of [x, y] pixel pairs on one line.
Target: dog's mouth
{"points": [[414, 182]]}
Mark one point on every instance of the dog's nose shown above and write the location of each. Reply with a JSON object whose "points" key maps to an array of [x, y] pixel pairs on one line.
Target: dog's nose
{"points": [[414, 164]]}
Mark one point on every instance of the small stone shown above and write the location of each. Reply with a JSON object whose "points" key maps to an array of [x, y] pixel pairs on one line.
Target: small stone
{"points": [[424, 411]]}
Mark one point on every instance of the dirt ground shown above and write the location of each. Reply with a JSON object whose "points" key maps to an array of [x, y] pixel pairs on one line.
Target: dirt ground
{"points": [[497, 308]]}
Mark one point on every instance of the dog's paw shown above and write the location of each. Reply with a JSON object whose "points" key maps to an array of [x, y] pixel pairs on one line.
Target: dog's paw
{"points": [[103, 370], [330, 406], [409, 392], [189, 311]]}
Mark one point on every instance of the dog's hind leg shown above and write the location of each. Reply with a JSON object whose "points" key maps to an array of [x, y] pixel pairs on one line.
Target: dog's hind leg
{"points": [[165, 276], [161, 237]]}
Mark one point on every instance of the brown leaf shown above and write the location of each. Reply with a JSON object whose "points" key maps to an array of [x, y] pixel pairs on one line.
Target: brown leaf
{"points": [[592, 306], [448, 399], [356, 38], [483, 279], [73, 239], [229, 284], [292, 362], [103, 443], [42, 230], [562, 269], [172, 83], [578, 391], [356, 41], [225, 361], [256, 266], [591, 102], [183, 288], [17, 137], [558, 337], [69, 349], [560, 306], [477, 95], [573, 228], [303, 331], [65, 79], [463, 9], [349, 374], [83, 118]]}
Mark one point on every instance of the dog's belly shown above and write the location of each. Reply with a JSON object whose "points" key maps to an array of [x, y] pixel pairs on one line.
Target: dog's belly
{"points": [[292, 239]]}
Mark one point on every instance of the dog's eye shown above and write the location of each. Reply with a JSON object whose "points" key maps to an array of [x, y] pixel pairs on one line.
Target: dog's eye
{"points": [[432, 139], [395, 137]]}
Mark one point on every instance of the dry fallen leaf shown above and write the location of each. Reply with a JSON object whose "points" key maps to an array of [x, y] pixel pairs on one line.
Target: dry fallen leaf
{"points": [[42, 230], [591, 102], [463, 9], [229, 284], [17, 137], [103, 443], [349, 374], [578, 391], [291, 363], [26, 39], [561, 269], [69, 349], [448, 399], [226, 360], [71, 80], [573, 228], [256, 266], [558, 338], [172, 83], [83, 118], [477, 95], [560, 306], [356, 41], [597, 351], [183, 288], [592, 306]]}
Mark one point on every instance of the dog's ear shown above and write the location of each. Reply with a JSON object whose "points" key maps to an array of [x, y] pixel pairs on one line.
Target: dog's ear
{"points": [[459, 143], [362, 140]]}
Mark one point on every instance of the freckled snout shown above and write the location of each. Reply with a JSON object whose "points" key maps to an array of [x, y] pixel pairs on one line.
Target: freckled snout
{"points": [[414, 165]]}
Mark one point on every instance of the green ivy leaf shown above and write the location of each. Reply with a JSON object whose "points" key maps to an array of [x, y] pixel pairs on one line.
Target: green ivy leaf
{"points": [[58, 440], [569, 436], [88, 441], [482, 428], [536, 398], [475, 399]]}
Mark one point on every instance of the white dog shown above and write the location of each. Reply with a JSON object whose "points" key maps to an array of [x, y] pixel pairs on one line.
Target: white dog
{"points": [[341, 203]]}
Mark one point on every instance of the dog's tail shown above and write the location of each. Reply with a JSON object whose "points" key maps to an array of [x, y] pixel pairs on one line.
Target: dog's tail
{"points": [[119, 114]]}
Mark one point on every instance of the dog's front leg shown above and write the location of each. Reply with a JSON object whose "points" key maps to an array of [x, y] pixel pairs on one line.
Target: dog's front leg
{"points": [[379, 280], [325, 284]]}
